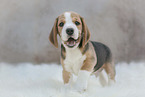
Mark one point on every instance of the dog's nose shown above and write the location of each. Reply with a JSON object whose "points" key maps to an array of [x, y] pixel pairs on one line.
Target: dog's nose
{"points": [[69, 31]]}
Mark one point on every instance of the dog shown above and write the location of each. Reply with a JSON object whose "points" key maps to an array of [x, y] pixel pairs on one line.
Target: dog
{"points": [[79, 55]]}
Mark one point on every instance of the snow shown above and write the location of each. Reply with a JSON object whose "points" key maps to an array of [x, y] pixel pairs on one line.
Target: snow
{"points": [[45, 80]]}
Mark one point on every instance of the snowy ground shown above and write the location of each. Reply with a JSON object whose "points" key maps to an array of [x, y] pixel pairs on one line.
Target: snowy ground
{"points": [[28, 80]]}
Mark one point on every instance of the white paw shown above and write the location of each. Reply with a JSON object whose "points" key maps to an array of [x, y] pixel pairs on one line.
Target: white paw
{"points": [[80, 87], [111, 82]]}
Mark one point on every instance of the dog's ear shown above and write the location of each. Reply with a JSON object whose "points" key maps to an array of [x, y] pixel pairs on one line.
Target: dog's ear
{"points": [[85, 32], [53, 34]]}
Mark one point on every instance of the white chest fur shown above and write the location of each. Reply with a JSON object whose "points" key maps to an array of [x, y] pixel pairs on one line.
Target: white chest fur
{"points": [[74, 60]]}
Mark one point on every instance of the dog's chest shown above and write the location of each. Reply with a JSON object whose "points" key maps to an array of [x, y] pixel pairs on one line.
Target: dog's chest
{"points": [[74, 60]]}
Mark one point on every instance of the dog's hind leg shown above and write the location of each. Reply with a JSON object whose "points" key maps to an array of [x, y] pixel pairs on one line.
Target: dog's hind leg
{"points": [[102, 79], [110, 70]]}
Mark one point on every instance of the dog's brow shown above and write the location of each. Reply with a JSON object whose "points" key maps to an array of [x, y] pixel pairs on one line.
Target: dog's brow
{"points": [[62, 20], [61, 17], [74, 15]]}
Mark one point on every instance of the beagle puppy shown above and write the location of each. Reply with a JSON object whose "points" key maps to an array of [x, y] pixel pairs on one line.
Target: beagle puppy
{"points": [[79, 55]]}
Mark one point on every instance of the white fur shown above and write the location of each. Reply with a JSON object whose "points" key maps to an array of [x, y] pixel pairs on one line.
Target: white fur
{"points": [[102, 79], [69, 24], [82, 81], [74, 60], [110, 81]]}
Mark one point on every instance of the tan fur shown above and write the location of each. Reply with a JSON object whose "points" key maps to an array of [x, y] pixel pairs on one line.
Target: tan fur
{"points": [[61, 18], [90, 61], [66, 75], [86, 34], [109, 68], [53, 34]]}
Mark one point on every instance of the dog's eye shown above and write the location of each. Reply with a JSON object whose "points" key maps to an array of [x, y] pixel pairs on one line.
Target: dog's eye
{"points": [[61, 24], [77, 23]]}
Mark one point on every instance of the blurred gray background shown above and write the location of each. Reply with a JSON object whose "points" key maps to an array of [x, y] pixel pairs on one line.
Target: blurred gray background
{"points": [[25, 27]]}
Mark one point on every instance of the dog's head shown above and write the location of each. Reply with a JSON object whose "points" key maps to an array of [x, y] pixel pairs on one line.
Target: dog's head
{"points": [[72, 30]]}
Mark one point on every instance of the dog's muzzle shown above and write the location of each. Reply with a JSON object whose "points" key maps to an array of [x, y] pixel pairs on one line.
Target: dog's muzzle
{"points": [[71, 42]]}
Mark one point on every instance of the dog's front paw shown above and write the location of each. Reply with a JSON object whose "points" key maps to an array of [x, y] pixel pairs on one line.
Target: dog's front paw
{"points": [[80, 87]]}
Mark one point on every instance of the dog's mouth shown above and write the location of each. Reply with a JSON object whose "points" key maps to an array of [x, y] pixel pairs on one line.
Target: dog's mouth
{"points": [[71, 42]]}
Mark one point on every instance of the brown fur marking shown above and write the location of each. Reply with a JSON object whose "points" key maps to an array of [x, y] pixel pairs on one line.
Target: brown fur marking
{"points": [[53, 34], [65, 74], [90, 61], [110, 70]]}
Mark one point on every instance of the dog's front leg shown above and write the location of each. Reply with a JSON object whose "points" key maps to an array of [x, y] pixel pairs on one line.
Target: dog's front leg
{"points": [[82, 80], [84, 74], [67, 77]]}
